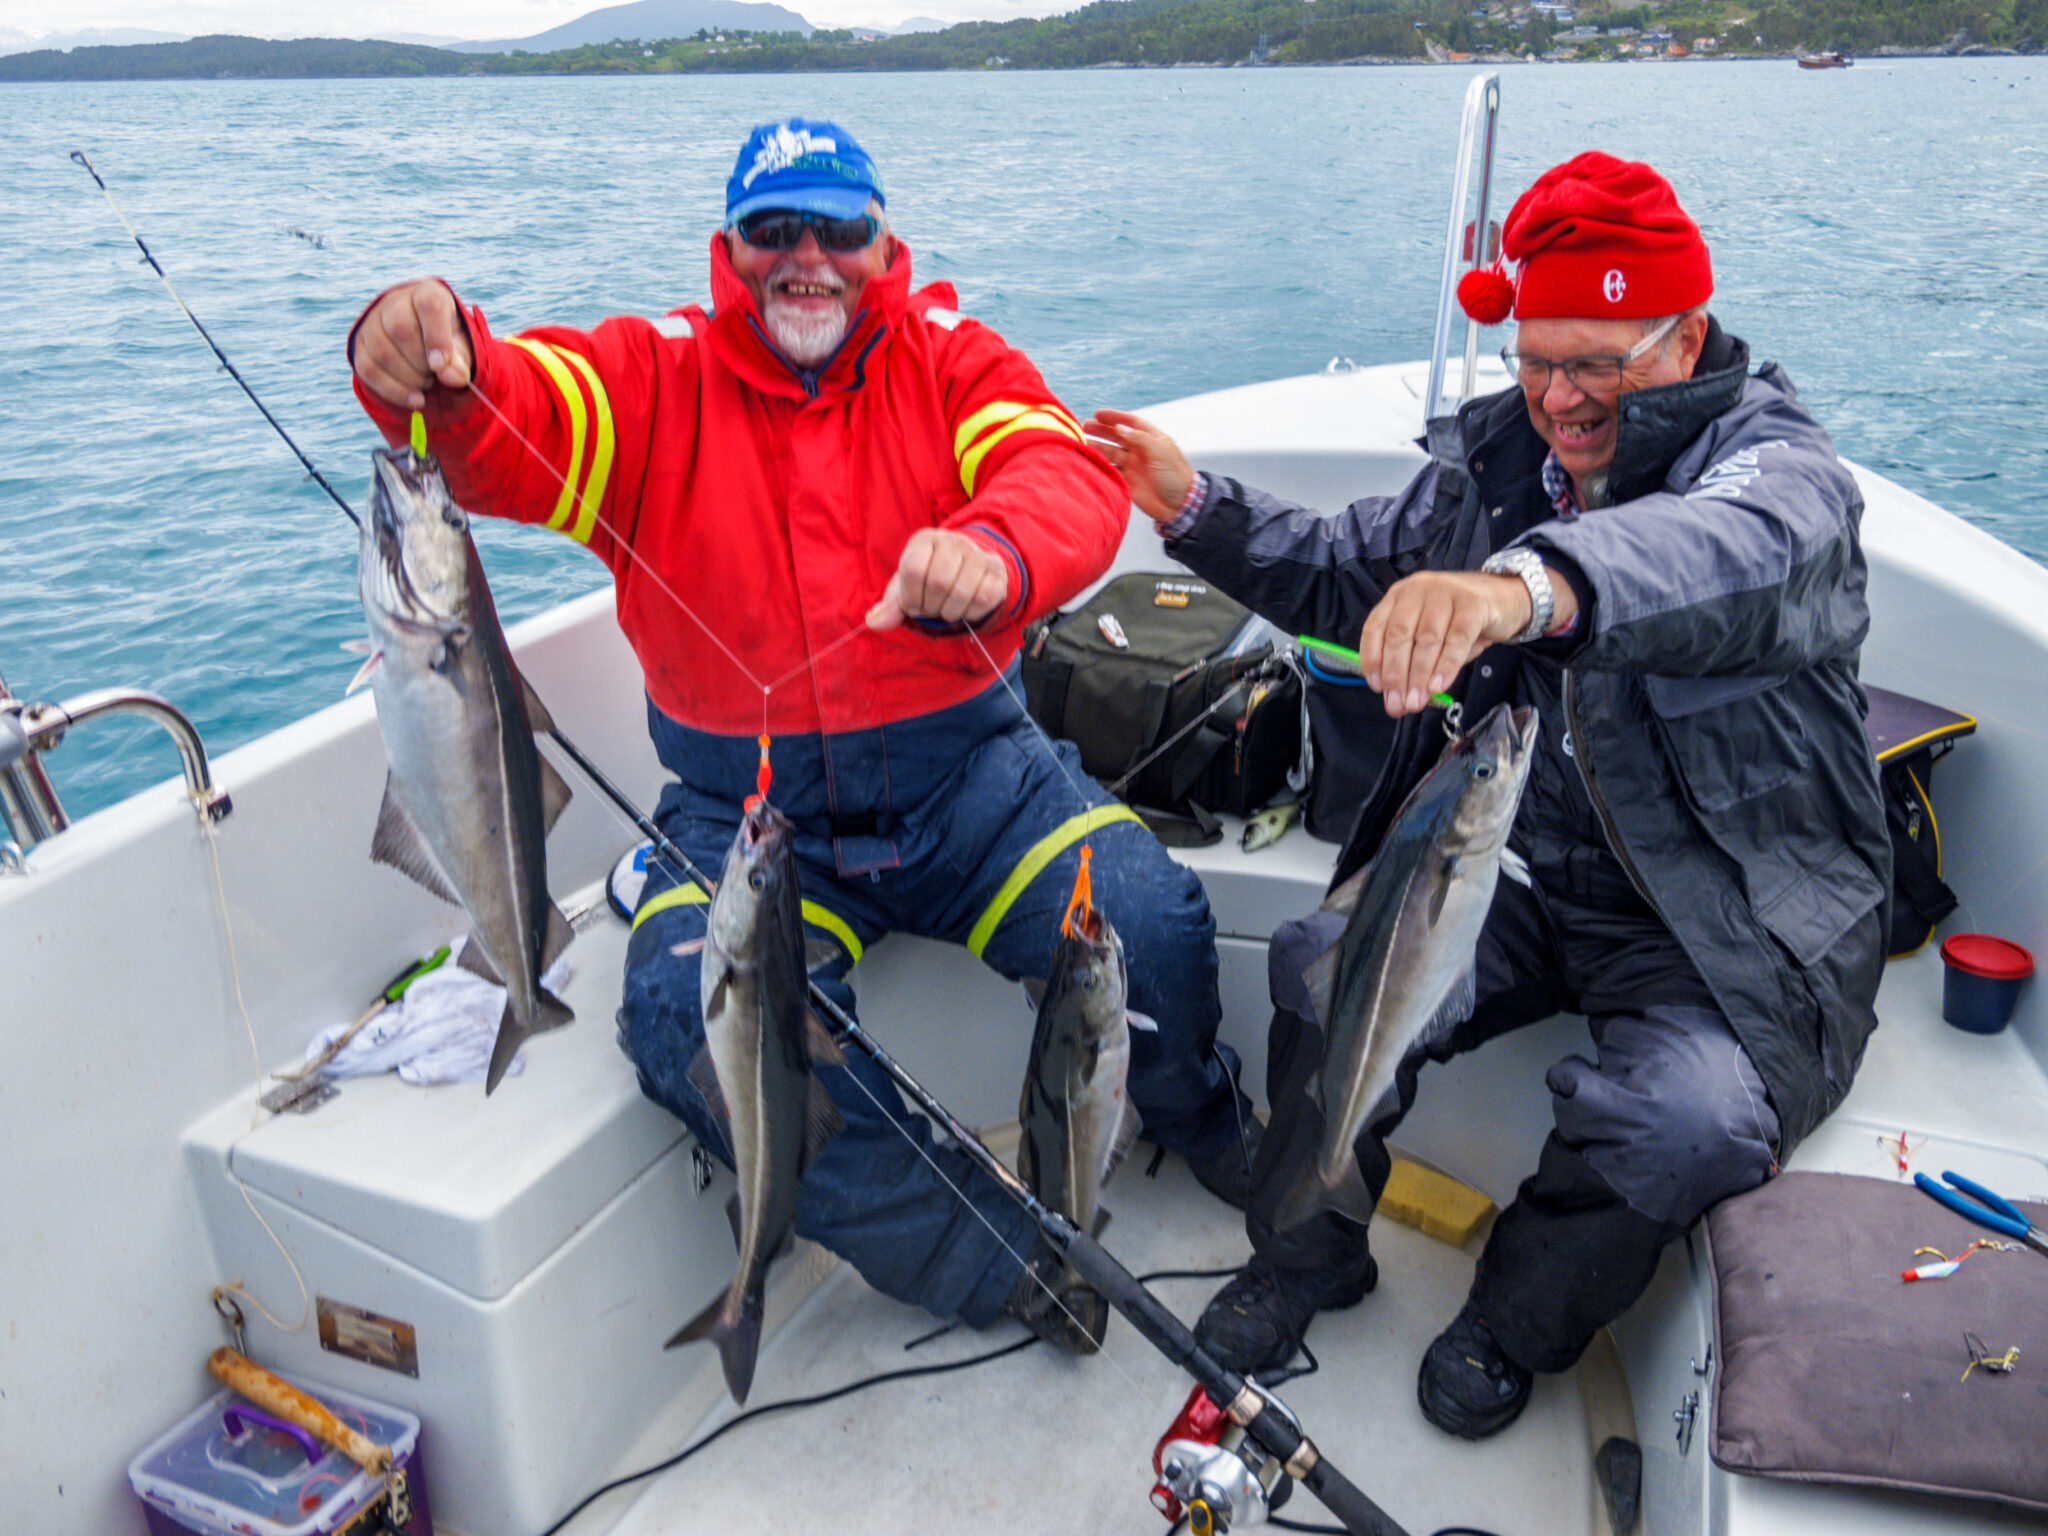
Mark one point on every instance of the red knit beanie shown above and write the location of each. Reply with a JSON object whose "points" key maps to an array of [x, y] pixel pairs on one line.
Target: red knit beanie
{"points": [[1599, 238]]}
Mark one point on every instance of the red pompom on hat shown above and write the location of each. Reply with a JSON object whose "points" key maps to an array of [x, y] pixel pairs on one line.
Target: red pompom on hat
{"points": [[1599, 238], [1487, 294]]}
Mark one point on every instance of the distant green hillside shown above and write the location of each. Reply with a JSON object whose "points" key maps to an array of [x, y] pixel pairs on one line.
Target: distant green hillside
{"points": [[1135, 32]]}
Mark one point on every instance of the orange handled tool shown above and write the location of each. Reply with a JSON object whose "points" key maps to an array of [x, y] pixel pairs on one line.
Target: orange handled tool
{"points": [[238, 1372]]}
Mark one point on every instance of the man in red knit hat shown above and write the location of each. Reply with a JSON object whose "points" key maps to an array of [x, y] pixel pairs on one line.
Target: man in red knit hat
{"points": [[1657, 549]]}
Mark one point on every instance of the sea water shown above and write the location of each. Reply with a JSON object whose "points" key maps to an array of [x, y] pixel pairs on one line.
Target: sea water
{"points": [[1141, 234]]}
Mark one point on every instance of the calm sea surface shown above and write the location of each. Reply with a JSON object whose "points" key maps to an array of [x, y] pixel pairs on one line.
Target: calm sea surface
{"points": [[1141, 234]]}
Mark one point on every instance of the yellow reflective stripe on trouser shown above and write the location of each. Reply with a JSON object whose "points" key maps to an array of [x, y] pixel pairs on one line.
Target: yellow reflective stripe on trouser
{"points": [[1045, 420], [693, 896], [1032, 865], [601, 455], [579, 423]]}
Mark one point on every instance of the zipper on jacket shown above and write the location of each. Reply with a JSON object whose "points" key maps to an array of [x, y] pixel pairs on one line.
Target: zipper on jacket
{"points": [[1583, 760]]}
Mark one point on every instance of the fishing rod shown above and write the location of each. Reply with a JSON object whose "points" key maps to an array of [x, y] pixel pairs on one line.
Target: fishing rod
{"points": [[1225, 1485], [233, 372]]}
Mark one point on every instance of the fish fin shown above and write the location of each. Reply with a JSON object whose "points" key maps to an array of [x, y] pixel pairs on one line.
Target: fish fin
{"points": [[1127, 1130], [823, 1047], [822, 1121], [1516, 868], [557, 937], [357, 647], [537, 714], [363, 673], [715, 1003], [1144, 1023], [1455, 1009], [478, 964], [554, 1013], [510, 1038], [1345, 897], [1095, 1228], [738, 1341], [1311, 1197], [1034, 988], [703, 1075], [733, 1218], [1442, 893], [555, 795], [1321, 981], [398, 842]]}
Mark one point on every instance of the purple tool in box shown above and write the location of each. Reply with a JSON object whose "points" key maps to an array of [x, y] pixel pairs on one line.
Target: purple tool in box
{"points": [[230, 1469]]}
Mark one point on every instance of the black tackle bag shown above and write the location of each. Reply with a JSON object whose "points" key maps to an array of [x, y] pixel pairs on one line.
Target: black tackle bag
{"points": [[1180, 698], [1909, 738]]}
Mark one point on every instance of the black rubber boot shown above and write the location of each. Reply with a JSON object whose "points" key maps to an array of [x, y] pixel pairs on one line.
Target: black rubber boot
{"points": [[1061, 1309], [1255, 1324], [1227, 1172], [1468, 1388]]}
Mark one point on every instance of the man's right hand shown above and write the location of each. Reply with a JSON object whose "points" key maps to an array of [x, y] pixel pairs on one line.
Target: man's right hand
{"points": [[411, 340]]}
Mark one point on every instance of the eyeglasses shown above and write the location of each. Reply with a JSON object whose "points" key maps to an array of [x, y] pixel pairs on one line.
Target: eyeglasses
{"points": [[779, 229], [1599, 374]]}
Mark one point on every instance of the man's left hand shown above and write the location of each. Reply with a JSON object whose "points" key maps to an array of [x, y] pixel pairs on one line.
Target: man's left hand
{"points": [[1419, 636], [944, 576]]}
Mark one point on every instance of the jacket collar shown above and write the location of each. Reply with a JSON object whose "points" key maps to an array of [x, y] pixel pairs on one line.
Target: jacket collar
{"points": [[742, 337]]}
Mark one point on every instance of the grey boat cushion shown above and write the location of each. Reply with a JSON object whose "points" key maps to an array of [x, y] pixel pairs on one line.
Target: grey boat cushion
{"points": [[1831, 1369]]}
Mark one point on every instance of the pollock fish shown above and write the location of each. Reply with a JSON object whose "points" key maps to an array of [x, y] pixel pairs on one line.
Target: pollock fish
{"points": [[469, 799], [1077, 1122], [1403, 970], [755, 1071]]}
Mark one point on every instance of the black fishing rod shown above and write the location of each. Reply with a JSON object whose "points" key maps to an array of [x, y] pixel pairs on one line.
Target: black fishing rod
{"points": [[1266, 1422], [234, 373]]}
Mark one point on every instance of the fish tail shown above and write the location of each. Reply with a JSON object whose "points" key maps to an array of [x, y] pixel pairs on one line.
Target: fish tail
{"points": [[738, 1337], [1312, 1197], [553, 1013]]}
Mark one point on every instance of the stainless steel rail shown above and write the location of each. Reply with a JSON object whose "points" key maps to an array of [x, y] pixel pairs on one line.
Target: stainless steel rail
{"points": [[1476, 129], [29, 805]]}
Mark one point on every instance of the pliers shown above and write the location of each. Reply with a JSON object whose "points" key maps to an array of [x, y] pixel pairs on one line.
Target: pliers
{"points": [[1978, 1204]]}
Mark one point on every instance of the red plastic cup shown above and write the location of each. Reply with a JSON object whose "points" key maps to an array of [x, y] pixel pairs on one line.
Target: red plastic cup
{"points": [[1982, 980]]}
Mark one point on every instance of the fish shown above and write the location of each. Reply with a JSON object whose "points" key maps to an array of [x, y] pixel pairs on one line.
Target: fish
{"points": [[1076, 1119], [1269, 826], [469, 800], [1403, 970], [761, 1037]]}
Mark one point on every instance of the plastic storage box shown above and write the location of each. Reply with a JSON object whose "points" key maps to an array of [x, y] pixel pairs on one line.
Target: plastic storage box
{"points": [[229, 1468]]}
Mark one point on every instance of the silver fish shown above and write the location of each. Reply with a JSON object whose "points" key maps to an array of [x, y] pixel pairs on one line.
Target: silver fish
{"points": [[755, 1071], [1077, 1122], [1269, 826], [1403, 970], [469, 799]]}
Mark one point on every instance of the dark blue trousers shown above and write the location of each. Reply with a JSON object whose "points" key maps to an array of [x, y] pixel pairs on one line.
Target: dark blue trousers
{"points": [[956, 826]]}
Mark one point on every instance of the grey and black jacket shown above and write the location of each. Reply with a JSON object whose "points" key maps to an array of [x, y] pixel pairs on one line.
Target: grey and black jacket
{"points": [[1711, 683]]}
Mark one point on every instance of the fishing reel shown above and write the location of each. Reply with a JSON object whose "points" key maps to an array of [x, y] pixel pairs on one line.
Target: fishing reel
{"points": [[1211, 1474]]}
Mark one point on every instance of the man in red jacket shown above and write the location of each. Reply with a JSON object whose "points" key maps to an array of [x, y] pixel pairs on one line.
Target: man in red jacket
{"points": [[778, 486]]}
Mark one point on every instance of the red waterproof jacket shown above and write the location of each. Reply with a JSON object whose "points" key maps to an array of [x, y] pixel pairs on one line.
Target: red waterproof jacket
{"points": [[708, 473]]}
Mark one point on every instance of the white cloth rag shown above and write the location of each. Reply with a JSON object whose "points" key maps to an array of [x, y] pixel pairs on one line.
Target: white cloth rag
{"points": [[441, 1031]]}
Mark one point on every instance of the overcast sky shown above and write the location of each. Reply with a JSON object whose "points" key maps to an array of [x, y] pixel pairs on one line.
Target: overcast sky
{"points": [[453, 18]]}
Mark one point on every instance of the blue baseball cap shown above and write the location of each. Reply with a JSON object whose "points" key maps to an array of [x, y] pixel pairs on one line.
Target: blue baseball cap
{"points": [[805, 164]]}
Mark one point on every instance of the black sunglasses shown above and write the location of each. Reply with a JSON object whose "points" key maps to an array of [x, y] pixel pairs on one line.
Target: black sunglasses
{"points": [[779, 229]]}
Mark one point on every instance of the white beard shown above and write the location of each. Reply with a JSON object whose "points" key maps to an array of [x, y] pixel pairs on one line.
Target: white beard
{"points": [[806, 340]]}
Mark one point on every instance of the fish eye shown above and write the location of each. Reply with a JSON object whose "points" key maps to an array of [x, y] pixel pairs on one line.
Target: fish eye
{"points": [[1483, 771], [758, 879]]}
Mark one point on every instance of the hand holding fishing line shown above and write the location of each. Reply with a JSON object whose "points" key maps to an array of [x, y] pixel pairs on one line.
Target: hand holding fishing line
{"points": [[413, 339], [1157, 472], [943, 575]]}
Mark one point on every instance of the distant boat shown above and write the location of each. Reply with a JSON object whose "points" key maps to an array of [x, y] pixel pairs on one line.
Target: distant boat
{"points": [[1829, 60]]}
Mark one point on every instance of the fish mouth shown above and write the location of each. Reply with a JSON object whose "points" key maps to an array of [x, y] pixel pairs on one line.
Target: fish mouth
{"points": [[397, 479]]}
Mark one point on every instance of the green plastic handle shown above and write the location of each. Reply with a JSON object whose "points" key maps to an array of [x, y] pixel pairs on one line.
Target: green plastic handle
{"points": [[414, 972]]}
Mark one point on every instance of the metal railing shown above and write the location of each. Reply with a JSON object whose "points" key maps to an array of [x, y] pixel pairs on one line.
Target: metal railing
{"points": [[1469, 242], [29, 807]]}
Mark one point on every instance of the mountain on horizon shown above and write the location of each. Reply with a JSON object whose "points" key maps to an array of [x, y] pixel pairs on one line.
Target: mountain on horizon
{"points": [[918, 24], [651, 19], [14, 40]]}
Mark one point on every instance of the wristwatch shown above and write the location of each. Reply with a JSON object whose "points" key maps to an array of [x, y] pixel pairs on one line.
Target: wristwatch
{"points": [[1526, 563]]}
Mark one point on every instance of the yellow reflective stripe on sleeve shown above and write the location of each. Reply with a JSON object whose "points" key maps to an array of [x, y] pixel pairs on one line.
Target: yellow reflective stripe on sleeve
{"points": [[693, 896], [601, 454], [579, 422], [981, 420], [1032, 865], [1045, 420]]}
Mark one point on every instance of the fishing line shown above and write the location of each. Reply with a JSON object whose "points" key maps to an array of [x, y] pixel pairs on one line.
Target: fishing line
{"points": [[233, 372]]}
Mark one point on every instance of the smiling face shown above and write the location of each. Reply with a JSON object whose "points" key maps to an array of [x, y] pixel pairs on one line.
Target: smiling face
{"points": [[808, 295], [1580, 426]]}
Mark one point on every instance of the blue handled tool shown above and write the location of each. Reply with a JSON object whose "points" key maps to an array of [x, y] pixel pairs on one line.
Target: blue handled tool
{"points": [[1978, 1204]]}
